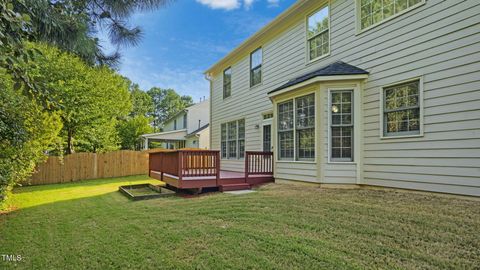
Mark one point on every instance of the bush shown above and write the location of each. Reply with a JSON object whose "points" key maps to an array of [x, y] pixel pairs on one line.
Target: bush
{"points": [[26, 131]]}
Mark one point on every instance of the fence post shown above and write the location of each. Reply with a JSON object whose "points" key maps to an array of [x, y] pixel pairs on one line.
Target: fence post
{"points": [[95, 166]]}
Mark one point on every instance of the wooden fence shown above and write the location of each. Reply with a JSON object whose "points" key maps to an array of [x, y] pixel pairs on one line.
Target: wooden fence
{"points": [[81, 166]]}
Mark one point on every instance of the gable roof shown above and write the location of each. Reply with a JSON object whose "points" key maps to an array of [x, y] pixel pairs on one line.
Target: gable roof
{"points": [[278, 25], [197, 131], [334, 69]]}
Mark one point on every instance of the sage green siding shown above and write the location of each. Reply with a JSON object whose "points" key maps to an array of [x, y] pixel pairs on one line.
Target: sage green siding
{"points": [[438, 41]]}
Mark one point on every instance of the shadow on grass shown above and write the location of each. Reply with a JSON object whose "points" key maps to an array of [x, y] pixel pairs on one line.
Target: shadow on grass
{"points": [[83, 183], [24, 197]]}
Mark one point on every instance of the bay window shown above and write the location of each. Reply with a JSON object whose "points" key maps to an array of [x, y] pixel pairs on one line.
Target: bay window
{"points": [[341, 125], [296, 129]]}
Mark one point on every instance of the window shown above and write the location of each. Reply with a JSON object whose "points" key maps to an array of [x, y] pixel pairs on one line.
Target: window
{"points": [[267, 116], [223, 147], [296, 128], [318, 34], [184, 121], [267, 138], [227, 82], [401, 109], [233, 139], [175, 124], [256, 67], [305, 127], [341, 125], [241, 138], [373, 12]]}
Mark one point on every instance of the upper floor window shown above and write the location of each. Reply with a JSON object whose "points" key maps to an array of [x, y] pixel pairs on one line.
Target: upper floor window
{"points": [[184, 121], [227, 82], [373, 12], [401, 109], [318, 34], [175, 124], [256, 67]]}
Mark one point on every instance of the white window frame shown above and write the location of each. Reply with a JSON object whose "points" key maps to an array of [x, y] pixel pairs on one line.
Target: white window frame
{"points": [[307, 44], [277, 142], [223, 82], [237, 139], [358, 16], [382, 102], [354, 126], [260, 67]]}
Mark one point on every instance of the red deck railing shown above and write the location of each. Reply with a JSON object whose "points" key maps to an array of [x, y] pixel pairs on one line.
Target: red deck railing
{"points": [[258, 163], [186, 163]]}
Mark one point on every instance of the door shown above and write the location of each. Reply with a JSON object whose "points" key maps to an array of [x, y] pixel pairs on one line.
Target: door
{"points": [[267, 138]]}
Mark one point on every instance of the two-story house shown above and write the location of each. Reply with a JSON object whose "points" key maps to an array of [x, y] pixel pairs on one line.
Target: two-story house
{"points": [[189, 128], [357, 92]]}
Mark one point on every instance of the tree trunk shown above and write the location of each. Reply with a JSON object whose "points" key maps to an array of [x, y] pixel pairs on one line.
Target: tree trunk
{"points": [[69, 142]]}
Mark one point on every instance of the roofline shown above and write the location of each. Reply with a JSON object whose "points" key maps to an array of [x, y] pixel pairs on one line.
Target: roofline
{"points": [[318, 79], [197, 131], [175, 115], [166, 132], [277, 20]]}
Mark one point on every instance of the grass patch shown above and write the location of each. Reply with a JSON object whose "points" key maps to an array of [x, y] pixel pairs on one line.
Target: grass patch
{"points": [[91, 225]]}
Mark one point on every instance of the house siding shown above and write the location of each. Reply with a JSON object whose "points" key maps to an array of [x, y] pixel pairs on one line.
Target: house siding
{"points": [[438, 41]]}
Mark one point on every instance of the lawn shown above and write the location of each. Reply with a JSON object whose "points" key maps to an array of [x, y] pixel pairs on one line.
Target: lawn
{"points": [[90, 225]]}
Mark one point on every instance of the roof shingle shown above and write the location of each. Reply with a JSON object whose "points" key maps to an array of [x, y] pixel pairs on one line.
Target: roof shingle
{"points": [[334, 69]]}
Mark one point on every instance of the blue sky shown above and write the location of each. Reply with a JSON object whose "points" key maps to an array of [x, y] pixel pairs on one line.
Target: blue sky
{"points": [[182, 40]]}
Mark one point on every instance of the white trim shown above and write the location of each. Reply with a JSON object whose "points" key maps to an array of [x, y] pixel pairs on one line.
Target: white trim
{"points": [[319, 79], [162, 133], [421, 120], [307, 46], [358, 16]]}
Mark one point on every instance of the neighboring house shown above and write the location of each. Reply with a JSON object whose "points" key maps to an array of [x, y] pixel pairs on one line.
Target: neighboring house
{"points": [[188, 128], [357, 92]]}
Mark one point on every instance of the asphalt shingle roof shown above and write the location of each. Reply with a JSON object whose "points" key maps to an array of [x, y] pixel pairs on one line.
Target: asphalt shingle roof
{"points": [[334, 69]]}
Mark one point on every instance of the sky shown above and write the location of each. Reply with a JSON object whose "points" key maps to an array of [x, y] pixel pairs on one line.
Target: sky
{"points": [[185, 38]]}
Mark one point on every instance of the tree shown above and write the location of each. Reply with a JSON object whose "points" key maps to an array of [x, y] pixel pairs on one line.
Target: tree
{"points": [[130, 130], [14, 56], [167, 103], [141, 101], [72, 25], [92, 99], [138, 121], [26, 131]]}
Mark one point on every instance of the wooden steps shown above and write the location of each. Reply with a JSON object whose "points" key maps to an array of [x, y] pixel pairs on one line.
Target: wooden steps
{"points": [[231, 187]]}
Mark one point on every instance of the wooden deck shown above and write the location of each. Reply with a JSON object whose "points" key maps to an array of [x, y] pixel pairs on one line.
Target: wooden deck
{"points": [[198, 169]]}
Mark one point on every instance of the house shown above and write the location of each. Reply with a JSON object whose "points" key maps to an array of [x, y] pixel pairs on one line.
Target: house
{"points": [[357, 92], [188, 128]]}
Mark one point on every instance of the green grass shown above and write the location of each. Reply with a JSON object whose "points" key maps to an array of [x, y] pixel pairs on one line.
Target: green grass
{"points": [[90, 225]]}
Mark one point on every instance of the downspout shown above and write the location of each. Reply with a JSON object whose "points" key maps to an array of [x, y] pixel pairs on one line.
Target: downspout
{"points": [[208, 77]]}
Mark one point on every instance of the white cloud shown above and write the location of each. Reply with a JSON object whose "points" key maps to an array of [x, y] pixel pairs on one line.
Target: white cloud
{"points": [[247, 3], [273, 3], [221, 4]]}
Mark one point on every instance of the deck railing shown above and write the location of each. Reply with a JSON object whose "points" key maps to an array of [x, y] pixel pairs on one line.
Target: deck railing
{"points": [[186, 163], [258, 163]]}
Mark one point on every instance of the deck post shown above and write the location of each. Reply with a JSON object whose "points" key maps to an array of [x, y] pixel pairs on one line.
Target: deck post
{"points": [[180, 167], [246, 167], [217, 167]]}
